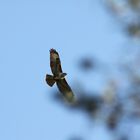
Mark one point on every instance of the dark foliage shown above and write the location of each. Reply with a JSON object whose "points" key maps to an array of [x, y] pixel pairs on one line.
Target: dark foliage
{"points": [[87, 64]]}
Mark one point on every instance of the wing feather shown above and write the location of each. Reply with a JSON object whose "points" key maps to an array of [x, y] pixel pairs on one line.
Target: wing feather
{"points": [[65, 89], [55, 62]]}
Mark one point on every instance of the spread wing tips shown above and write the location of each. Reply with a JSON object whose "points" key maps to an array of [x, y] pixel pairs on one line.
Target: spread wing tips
{"points": [[66, 90], [53, 51], [69, 97]]}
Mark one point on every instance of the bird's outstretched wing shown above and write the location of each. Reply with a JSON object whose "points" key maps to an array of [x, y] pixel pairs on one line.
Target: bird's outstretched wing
{"points": [[55, 62], [65, 89]]}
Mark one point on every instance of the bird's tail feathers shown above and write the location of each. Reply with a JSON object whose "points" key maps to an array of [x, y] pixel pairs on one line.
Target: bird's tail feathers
{"points": [[50, 80]]}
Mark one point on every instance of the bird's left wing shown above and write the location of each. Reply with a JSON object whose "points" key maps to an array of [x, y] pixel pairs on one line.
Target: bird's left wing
{"points": [[65, 89], [55, 62]]}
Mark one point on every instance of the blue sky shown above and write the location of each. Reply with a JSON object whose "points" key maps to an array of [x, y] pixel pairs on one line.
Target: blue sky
{"points": [[28, 29]]}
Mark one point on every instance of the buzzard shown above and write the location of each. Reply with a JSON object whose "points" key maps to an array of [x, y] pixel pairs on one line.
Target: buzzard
{"points": [[58, 77]]}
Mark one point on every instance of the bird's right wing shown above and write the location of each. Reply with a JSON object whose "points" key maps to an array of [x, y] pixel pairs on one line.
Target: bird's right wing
{"points": [[65, 89]]}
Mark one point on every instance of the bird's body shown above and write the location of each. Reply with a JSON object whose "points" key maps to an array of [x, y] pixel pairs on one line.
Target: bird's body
{"points": [[58, 76]]}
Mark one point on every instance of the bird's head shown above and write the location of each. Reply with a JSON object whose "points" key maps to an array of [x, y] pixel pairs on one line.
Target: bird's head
{"points": [[62, 75]]}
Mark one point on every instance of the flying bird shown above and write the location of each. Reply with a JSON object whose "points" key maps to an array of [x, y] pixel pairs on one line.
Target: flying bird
{"points": [[58, 77]]}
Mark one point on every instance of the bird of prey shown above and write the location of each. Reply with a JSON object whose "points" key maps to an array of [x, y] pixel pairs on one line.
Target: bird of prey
{"points": [[58, 76]]}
